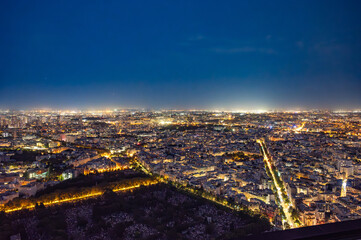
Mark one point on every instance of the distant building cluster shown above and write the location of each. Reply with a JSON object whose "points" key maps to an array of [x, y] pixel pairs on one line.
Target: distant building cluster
{"points": [[316, 155]]}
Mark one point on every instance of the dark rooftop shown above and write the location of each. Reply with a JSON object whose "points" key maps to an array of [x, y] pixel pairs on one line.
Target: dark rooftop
{"points": [[340, 230]]}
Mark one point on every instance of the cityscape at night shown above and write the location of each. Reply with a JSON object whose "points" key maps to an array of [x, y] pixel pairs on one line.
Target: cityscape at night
{"points": [[180, 120]]}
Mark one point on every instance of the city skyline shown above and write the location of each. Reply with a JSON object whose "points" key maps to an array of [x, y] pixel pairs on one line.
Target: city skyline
{"points": [[283, 170], [187, 55], [180, 119]]}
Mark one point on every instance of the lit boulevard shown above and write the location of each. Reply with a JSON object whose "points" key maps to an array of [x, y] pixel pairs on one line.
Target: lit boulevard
{"points": [[284, 201]]}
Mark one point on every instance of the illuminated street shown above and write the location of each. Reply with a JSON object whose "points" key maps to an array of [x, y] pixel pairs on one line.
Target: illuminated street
{"points": [[281, 192]]}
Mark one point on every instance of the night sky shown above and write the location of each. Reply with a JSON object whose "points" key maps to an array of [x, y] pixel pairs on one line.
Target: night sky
{"points": [[180, 54]]}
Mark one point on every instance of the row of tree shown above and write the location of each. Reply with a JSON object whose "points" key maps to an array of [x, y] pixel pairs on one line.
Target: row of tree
{"points": [[75, 193]]}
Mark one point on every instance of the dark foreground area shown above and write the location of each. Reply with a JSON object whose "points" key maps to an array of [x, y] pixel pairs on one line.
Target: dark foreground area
{"points": [[153, 212]]}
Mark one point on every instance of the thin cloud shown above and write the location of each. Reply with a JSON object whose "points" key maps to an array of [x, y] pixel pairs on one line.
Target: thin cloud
{"points": [[244, 50], [196, 37], [300, 44]]}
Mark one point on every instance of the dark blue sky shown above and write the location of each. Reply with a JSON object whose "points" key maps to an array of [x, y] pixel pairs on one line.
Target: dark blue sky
{"points": [[180, 54]]}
